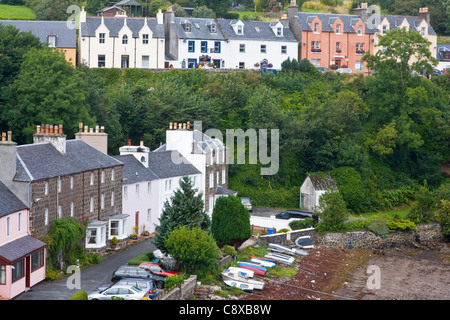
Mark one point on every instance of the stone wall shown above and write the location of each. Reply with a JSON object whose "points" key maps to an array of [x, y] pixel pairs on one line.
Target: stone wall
{"points": [[182, 292], [426, 235]]}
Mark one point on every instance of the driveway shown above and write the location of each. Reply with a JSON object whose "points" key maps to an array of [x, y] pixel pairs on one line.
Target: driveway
{"points": [[91, 277], [265, 212]]}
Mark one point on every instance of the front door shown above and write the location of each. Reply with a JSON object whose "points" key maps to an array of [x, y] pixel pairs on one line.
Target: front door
{"points": [[338, 63], [125, 62], [192, 63], [216, 63]]}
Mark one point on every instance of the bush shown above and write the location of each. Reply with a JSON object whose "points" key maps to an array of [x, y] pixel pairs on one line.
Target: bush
{"points": [[173, 281], [301, 224], [230, 250], [379, 227], [79, 295]]}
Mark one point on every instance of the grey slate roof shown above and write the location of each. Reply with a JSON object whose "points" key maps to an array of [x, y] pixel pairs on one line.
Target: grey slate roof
{"points": [[128, 3], [20, 247], [9, 203], [160, 166], [440, 48], [115, 24], [327, 19], [42, 160], [200, 29], [255, 30], [322, 183], [395, 21], [65, 37], [224, 191]]}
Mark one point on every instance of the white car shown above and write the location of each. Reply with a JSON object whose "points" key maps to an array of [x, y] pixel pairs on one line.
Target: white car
{"points": [[124, 292], [344, 70]]}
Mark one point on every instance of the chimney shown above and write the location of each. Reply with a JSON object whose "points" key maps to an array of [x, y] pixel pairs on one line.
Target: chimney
{"points": [[361, 11], [52, 134], [7, 158], [292, 12], [160, 17], [139, 152], [424, 14], [97, 139]]}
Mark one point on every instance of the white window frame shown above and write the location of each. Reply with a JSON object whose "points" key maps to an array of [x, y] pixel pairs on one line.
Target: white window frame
{"points": [[125, 39], [316, 27], [101, 38], [146, 61], [145, 39]]}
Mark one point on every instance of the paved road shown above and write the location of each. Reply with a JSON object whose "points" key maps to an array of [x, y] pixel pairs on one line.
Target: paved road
{"points": [[265, 212], [91, 277]]}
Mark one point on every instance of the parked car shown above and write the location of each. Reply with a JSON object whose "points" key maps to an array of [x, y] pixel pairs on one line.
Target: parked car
{"points": [[295, 214], [137, 273], [125, 292], [437, 72], [157, 269], [148, 285], [322, 69], [247, 203], [344, 70]]}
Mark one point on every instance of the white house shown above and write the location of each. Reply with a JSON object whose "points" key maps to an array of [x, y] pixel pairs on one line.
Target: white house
{"points": [[256, 44], [312, 188], [443, 57], [149, 179], [121, 42]]}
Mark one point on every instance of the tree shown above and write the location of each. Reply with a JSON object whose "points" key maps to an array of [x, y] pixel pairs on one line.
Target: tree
{"points": [[331, 210], [230, 223], [194, 249], [184, 209], [423, 209], [47, 90]]}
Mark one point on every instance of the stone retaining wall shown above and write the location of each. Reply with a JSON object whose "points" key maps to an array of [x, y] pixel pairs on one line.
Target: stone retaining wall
{"points": [[426, 235], [182, 292]]}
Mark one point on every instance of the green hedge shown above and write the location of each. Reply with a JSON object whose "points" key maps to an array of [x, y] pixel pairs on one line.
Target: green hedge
{"points": [[79, 295]]}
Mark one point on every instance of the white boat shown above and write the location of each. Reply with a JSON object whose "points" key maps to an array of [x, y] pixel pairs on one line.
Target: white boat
{"points": [[233, 275], [241, 285], [266, 264], [304, 242], [244, 273], [282, 258], [286, 250]]}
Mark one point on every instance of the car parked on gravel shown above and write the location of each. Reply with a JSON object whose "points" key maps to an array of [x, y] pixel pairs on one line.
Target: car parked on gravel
{"points": [[157, 269], [125, 292], [139, 273]]}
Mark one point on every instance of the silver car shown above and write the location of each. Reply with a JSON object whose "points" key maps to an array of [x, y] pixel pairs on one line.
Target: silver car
{"points": [[125, 292]]}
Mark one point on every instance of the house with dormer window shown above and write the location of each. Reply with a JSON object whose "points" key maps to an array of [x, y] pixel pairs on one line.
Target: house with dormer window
{"points": [[121, 42]]}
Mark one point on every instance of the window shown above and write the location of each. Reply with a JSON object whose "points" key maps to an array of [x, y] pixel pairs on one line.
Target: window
{"points": [[114, 228], [187, 27], [191, 46], [283, 49], [383, 49], [102, 177], [112, 198], [217, 177], [338, 46], [217, 47], [137, 191], [223, 177], [125, 39], [92, 179], [101, 38], [46, 187], [91, 204], [168, 185], [112, 174], [242, 47], [125, 193], [71, 209], [384, 29], [145, 39], [71, 183], [211, 180], [145, 61], [204, 46], [316, 27], [359, 66], [101, 61], [46, 216], [19, 222], [18, 270], [318, 45], [213, 28], [102, 201], [2, 274], [92, 236], [240, 29], [263, 48], [423, 31], [149, 214], [359, 30], [51, 41], [8, 226], [59, 212], [338, 28], [241, 65], [148, 187], [279, 31], [37, 260]]}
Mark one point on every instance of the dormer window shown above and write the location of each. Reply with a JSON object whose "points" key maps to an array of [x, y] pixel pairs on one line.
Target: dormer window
{"points": [[338, 28], [384, 29], [240, 29], [213, 28], [316, 27], [187, 27], [125, 39], [423, 31], [360, 30], [279, 31], [51, 39]]}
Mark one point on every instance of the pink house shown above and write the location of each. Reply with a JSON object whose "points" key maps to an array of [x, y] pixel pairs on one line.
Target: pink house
{"points": [[22, 256]]}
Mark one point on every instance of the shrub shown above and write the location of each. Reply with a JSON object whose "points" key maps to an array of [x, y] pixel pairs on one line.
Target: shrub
{"points": [[172, 281], [422, 210], [79, 295], [230, 250], [401, 224], [332, 210], [379, 227], [301, 224], [283, 230]]}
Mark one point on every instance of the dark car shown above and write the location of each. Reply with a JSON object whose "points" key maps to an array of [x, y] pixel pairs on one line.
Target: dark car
{"points": [[137, 273], [322, 69], [148, 285], [295, 214]]}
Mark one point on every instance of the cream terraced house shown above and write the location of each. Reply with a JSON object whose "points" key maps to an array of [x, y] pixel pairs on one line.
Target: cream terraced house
{"points": [[121, 42]]}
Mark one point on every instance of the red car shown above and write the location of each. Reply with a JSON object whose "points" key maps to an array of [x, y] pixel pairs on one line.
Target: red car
{"points": [[156, 268]]}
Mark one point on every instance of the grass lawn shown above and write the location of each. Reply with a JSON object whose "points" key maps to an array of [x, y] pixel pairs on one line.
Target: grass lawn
{"points": [[400, 211], [8, 12]]}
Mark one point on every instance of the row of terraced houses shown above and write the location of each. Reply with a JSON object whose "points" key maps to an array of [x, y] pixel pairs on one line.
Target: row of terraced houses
{"points": [[116, 196], [113, 40]]}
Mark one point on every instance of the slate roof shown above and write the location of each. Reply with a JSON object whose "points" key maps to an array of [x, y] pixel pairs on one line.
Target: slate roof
{"points": [[324, 182], [224, 191], [115, 24], [200, 29], [440, 48], [327, 19], [65, 37], [395, 21], [128, 3], [9, 203], [42, 160], [160, 166], [255, 30], [20, 247]]}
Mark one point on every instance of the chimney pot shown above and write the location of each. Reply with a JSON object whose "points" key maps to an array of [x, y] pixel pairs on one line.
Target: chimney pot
{"points": [[38, 129], [102, 129], [80, 127], [51, 129], [129, 142], [97, 129], [56, 131], [60, 129], [188, 125], [91, 130], [47, 129], [85, 128], [141, 143], [9, 136], [3, 136], [170, 125]]}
